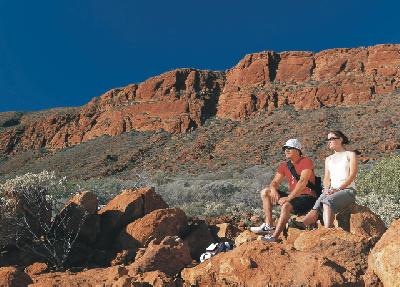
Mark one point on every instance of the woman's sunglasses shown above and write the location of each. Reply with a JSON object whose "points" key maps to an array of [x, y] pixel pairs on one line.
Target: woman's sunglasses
{"points": [[331, 139]]}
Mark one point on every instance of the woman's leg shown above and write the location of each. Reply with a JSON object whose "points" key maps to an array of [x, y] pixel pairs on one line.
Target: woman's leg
{"points": [[328, 216], [310, 218], [340, 200], [335, 202]]}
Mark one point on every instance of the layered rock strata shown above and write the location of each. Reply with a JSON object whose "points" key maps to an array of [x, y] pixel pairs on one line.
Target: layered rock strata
{"points": [[176, 102], [181, 100]]}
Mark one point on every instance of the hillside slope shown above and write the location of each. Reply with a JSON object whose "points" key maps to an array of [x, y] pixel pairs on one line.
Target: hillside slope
{"points": [[182, 100], [221, 144]]}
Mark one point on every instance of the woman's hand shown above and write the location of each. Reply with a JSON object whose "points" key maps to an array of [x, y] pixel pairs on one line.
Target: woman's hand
{"points": [[331, 191], [326, 191]]}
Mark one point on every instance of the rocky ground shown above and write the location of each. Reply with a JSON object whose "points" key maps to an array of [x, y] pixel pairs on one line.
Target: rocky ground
{"points": [[136, 240]]}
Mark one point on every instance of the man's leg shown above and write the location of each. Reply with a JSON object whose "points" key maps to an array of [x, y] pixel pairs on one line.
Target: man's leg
{"points": [[328, 216], [267, 226], [286, 209], [267, 205]]}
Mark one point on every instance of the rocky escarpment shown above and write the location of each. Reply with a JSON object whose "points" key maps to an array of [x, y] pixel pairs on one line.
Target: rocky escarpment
{"points": [[176, 101], [181, 100], [267, 80]]}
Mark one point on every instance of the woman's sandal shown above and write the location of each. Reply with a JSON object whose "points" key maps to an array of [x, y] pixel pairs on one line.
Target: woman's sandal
{"points": [[297, 224]]}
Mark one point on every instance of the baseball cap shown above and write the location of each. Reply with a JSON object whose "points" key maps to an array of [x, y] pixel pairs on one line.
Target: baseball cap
{"points": [[294, 143]]}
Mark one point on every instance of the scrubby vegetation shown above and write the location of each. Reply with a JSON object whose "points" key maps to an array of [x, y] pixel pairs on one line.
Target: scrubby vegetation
{"points": [[379, 188], [211, 194], [30, 217], [107, 188], [214, 194]]}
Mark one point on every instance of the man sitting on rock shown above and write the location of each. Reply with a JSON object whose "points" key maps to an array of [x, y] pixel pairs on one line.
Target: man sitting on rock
{"points": [[300, 199]]}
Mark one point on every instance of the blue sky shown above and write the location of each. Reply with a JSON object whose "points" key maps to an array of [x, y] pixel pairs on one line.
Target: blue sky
{"points": [[63, 53]]}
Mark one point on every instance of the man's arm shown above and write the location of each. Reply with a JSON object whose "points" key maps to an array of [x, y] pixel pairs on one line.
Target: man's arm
{"points": [[301, 184], [277, 180]]}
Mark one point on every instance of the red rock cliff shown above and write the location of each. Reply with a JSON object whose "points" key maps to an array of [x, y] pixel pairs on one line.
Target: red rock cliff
{"points": [[176, 101], [267, 80], [183, 99]]}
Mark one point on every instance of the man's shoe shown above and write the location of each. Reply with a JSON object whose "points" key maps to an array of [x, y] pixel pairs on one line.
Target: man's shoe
{"points": [[268, 238], [262, 229]]}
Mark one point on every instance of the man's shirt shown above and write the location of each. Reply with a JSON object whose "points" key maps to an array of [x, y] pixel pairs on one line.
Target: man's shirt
{"points": [[302, 164]]}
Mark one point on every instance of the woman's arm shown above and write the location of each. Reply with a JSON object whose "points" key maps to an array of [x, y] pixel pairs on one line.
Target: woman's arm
{"points": [[327, 177], [353, 171]]}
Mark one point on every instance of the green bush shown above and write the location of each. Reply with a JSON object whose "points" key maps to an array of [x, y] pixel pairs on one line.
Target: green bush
{"points": [[379, 188], [383, 178]]}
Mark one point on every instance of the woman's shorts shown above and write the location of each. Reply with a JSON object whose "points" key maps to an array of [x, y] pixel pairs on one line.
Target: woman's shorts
{"points": [[301, 204], [336, 201]]}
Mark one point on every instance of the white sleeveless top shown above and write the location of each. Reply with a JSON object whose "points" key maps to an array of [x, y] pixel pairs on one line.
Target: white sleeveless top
{"points": [[339, 168]]}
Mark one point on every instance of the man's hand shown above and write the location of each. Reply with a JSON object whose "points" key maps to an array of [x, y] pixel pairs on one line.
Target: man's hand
{"points": [[283, 200], [274, 197]]}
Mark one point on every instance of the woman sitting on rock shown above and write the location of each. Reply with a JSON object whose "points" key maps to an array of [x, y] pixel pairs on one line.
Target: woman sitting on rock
{"points": [[339, 187]]}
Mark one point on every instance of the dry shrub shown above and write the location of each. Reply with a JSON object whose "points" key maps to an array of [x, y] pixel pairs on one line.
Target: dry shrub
{"points": [[30, 217]]}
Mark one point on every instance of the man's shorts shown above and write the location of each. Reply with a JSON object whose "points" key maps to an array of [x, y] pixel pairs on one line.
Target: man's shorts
{"points": [[301, 204]]}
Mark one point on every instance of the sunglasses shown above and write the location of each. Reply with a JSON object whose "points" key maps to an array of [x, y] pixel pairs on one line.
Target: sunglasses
{"points": [[331, 139], [287, 148]]}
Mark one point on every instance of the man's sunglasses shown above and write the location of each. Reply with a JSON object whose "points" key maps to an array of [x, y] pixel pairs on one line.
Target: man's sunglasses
{"points": [[287, 148], [331, 139]]}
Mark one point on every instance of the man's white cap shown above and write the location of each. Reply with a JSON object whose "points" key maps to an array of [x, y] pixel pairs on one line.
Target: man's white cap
{"points": [[295, 143]]}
